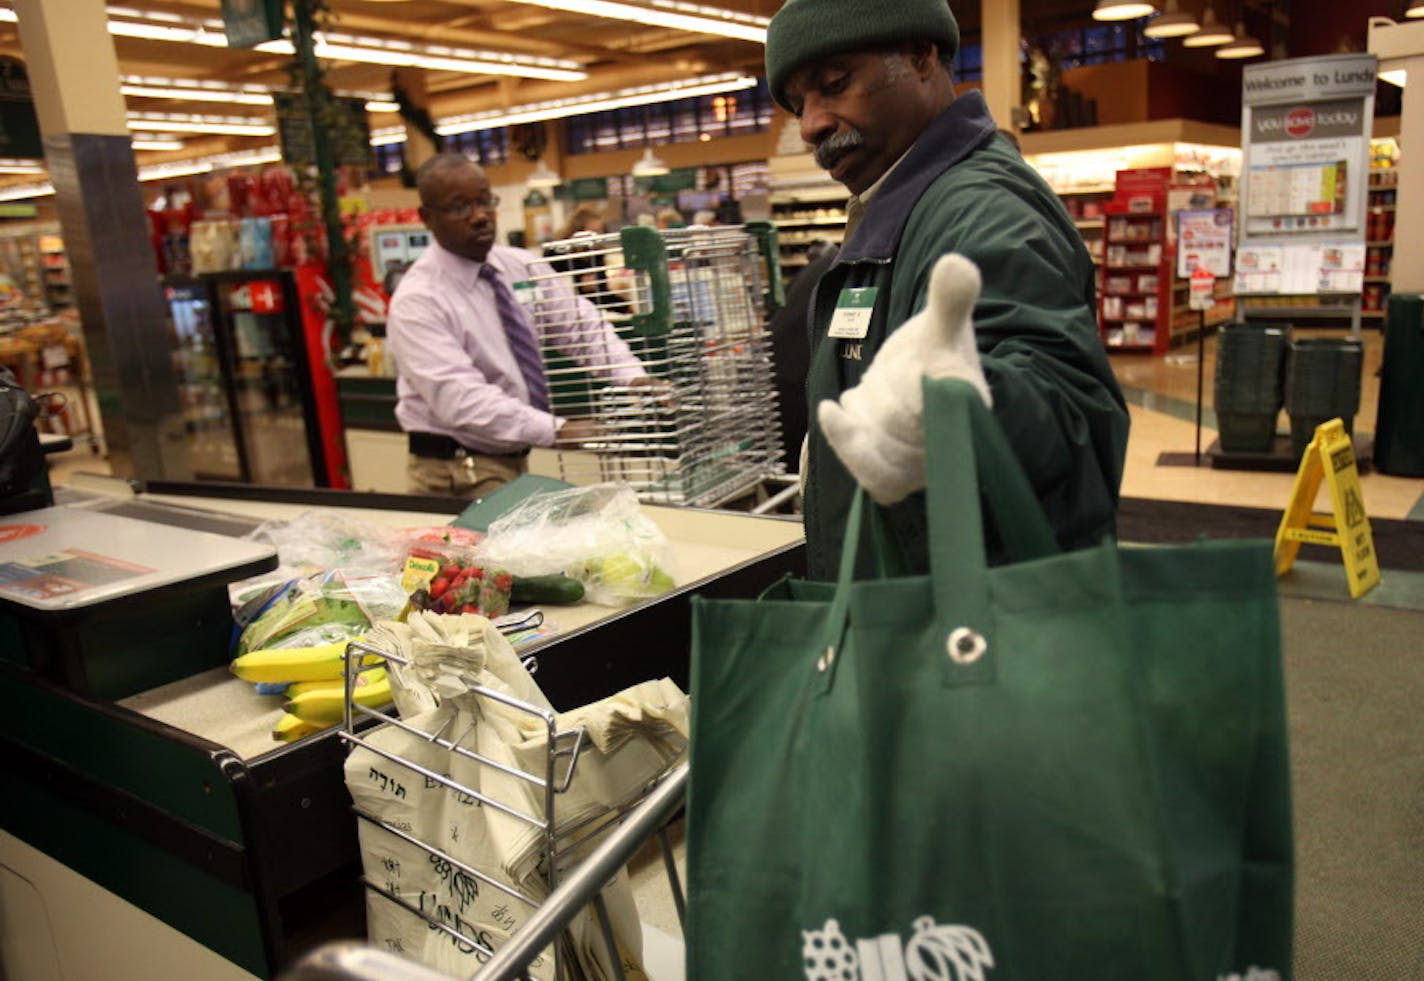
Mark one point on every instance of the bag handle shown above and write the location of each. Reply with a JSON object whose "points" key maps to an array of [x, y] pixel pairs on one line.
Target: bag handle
{"points": [[837, 619], [967, 457]]}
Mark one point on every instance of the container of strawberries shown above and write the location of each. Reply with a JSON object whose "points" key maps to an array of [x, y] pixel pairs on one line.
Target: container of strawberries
{"points": [[459, 587]]}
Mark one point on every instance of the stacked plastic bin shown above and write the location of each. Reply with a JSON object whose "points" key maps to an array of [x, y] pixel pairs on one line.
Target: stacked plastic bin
{"points": [[1249, 368], [1322, 383]]}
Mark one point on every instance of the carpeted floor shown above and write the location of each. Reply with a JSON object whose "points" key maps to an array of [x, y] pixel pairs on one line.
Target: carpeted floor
{"points": [[1354, 687], [1400, 544]]}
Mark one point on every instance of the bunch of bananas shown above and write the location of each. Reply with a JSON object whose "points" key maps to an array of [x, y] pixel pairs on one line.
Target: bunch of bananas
{"points": [[315, 684]]}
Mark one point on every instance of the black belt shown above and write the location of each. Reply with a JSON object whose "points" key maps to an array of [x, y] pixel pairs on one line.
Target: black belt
{"points": [[438, 447]]}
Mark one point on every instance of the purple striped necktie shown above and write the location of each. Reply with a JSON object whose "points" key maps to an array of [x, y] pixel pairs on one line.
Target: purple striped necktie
{"points": [[520, 332]]}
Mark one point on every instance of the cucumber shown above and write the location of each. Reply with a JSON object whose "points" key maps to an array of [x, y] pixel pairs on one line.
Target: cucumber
{"points": [[556, 590]]}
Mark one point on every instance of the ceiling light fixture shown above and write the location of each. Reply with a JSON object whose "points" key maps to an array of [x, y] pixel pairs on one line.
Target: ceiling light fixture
{"points": [[542, 176], [595, 102], [1171, 22], [1242, 45], [202, 165], [668, 13], [649, 165], [1210, 34], [159, 122], [157, 26], [23, 192], [194, 91], [164, 171], [1416, 9], [1122, 10], [153, 141], [388, 136], [191, 90]]}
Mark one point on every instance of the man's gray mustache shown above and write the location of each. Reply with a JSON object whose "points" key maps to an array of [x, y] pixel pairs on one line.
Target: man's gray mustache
{"points": [[833, 147]]}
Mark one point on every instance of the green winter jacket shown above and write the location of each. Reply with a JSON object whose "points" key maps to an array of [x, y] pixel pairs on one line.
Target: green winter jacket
{"points": [[962, 188]]}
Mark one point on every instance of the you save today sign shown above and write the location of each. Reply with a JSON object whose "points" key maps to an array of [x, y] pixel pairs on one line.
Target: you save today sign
{"points": [[1305, 130]]}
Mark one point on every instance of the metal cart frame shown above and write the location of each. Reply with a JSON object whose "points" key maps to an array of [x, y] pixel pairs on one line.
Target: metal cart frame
{"points": [[613, 836]]}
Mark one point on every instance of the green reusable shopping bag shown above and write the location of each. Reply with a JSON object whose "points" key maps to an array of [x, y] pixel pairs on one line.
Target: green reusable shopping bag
{"points": [[1069, 766]]}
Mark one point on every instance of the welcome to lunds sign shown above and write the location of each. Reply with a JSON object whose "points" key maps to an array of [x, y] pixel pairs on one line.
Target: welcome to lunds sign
{"points": [[1309, 79]]}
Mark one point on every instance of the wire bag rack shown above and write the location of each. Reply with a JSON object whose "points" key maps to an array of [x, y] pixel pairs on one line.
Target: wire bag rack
{"points": [[486, 921], [693, 306]]}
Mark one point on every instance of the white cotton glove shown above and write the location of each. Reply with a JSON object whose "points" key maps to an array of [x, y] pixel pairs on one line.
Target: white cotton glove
{"points": [[877, 427]]}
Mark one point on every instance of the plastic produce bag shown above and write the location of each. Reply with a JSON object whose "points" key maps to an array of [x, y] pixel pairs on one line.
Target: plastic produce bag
{"points": [[597, 535], [320, 540], [318, 609]]}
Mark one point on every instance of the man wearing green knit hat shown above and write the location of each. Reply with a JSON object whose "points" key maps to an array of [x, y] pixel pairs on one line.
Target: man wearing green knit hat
{"points": [[929, 175]]}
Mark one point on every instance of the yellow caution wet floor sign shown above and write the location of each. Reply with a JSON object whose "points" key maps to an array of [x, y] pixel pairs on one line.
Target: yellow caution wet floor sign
{"points": [[1330, 457]]}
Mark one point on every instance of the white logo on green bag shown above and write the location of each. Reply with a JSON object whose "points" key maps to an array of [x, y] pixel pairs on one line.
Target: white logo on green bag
{"points": [[933, 953], [1253, 973]]}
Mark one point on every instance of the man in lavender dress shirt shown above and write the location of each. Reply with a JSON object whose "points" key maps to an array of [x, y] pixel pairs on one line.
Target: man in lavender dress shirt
{"points": [[470, 413]]}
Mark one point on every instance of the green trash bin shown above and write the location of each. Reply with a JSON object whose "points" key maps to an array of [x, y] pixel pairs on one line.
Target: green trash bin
{"points": [[1399, 428], [1322, 383], [1250, 362]]}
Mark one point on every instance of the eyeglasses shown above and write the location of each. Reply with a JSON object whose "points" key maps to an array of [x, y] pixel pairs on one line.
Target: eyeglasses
{"points": [[463, 209]]}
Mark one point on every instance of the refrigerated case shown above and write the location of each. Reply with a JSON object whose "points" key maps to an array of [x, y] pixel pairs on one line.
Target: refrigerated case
{"points": [[244, 380]]}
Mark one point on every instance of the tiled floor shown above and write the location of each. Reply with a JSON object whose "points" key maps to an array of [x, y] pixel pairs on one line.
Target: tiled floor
{"points": [[1162, 392]]}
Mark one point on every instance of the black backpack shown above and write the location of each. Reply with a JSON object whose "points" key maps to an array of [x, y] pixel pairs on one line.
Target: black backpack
{"points": [[21, 458]]}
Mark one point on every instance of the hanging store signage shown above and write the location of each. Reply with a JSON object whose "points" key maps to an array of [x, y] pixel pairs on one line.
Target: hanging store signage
{"points": [[684, 179], [348, 133], [19, 127], [588, 189], [1305, 129], [251, 22], [1204, 242]]}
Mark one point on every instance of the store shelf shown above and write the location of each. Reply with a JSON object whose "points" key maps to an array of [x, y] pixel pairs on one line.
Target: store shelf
{"points": [[806, 207]]}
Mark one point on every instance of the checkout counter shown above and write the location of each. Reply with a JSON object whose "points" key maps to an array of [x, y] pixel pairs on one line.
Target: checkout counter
{"points": [[151, 827]]}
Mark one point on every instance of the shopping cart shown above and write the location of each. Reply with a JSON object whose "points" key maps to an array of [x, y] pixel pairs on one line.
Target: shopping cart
{"points": [[577, 860], [692, 304]]}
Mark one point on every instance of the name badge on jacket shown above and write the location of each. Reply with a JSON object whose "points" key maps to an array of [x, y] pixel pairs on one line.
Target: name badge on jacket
{"points": [[854, 307]]}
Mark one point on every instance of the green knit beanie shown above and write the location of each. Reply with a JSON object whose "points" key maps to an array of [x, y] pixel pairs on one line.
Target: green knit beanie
{"points": [[806, 30]]}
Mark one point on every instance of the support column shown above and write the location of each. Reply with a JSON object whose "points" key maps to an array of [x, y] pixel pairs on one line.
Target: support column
{"points": [[74, 75], [1000, 40], [1406, 268], [1401, 46], [418, 147]]}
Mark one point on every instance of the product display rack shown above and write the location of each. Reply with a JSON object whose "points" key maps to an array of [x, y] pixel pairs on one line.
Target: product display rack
{"points": [[20, 260], [58, 290], [33, 257], [1134, 297], [806, 206], [1379, 242], [805, 216]]}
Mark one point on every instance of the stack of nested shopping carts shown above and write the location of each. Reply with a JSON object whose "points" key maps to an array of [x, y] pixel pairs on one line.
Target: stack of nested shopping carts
{"points": [[692, 304]]}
